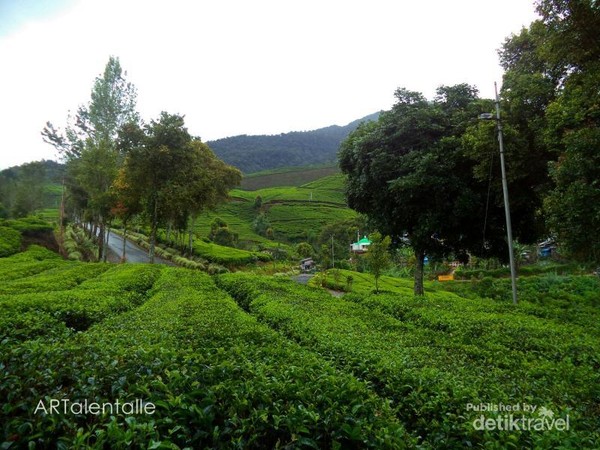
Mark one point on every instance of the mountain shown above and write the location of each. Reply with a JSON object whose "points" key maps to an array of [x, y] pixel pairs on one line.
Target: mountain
{"points": [[294, 149]]}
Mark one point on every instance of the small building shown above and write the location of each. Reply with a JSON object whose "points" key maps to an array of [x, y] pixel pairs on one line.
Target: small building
{"points": [[547, 248], [361, 246], [307, 264]]}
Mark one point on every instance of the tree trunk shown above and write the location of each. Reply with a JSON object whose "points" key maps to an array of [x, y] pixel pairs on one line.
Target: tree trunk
{"points": [[191, 235], [101, 241], [168, 237], [105, 249], [123, 255], [153, 231], [420, 259]]}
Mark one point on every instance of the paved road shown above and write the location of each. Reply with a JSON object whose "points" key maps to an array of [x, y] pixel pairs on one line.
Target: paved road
{"points": [[303, 278], [133, 253]]}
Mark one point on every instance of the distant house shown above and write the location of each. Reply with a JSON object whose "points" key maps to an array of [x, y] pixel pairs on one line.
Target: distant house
{"points": [[361, 246], [307, 264]]}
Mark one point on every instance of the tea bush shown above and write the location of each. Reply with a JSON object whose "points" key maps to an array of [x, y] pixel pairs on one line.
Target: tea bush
{"points": [[52, 312], [218, 378], [10, 241], [432, 356], [28, 225]]}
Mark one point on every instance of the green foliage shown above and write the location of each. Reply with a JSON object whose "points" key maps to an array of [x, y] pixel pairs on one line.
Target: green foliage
{"points": [[324, 190], [258, 153], [223, 236], [378, 256], [10, 241], [408, 173], [220, 233], [29, 225], [289, 211], [218, 379], [52, 297], [78, 246], [159, 157], [432, 355], [29, 192], [30, 188], [293, 221], [526, 270], [226, 255], [573, 205], [304, 250], [291, 365], [63, 277], [90, 148], [261, 224], [551, 91], [344, 232], [296, 176]]}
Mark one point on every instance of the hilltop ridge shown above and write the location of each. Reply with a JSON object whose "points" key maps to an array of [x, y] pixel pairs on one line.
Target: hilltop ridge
{"points": [[254, 153]]}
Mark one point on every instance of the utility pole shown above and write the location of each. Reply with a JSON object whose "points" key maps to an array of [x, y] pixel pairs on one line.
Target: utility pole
{"points": [[513, 270], [332, 254]]}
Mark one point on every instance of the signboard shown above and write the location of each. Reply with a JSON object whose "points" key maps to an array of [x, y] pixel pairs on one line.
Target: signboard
{"points": [[445, 277]]}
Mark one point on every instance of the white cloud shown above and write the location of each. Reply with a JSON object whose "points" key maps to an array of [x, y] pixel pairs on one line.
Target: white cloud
{"points": [[235, 67]]}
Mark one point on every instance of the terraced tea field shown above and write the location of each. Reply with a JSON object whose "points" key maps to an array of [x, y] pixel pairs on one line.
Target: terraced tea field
{"points": [[292, 211], [247, 361]]}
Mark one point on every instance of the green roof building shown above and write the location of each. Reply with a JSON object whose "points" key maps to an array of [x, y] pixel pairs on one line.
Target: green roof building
{"points": [[361, 246]]}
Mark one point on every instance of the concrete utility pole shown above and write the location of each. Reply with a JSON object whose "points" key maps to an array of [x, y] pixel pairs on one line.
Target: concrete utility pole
{"points": [[513, 270]]}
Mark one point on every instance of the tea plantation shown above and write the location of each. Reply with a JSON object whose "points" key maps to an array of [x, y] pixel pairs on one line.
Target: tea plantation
{"points": [[292, 211], [246, 361]]}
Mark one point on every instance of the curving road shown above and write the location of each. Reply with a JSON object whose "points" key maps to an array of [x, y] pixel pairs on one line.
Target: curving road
{"points": [[133, 253]]}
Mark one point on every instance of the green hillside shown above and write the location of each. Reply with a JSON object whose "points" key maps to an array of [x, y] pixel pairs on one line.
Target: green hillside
{"points": [[296, 176], [292, 211], [295, 149], [31, 188]]}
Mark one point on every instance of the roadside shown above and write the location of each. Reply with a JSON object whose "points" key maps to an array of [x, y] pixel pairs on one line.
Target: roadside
{"points": [[133, 253], [304, 278]]}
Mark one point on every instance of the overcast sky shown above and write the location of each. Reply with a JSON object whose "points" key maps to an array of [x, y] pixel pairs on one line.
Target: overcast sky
{"points": [[239, 66]]}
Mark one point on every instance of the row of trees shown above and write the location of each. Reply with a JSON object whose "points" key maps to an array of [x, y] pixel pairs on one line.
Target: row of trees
{"points": [[119, 167], [427, 173]]}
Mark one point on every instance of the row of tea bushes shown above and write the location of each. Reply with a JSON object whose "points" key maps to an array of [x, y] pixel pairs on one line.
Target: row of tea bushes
{"points": [[56, 309], [28, 225], [34, 260], [64, 276], [218, 379], [432, 360], [10, 241]]}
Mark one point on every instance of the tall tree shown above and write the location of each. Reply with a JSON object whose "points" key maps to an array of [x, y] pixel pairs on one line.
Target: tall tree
{"points": [[409, 173], [173, 176], [89, 144], [378, 256], [551, 96]]}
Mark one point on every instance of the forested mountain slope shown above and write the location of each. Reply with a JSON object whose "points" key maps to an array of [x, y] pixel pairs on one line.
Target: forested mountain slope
{"points": [[297, 148]]}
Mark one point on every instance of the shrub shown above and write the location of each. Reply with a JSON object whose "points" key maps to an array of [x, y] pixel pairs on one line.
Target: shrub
{"points": [[10, 241]]}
